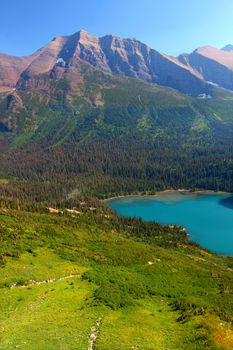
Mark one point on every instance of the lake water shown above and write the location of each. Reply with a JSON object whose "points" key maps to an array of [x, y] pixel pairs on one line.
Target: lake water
{"points": [[208, 218]]}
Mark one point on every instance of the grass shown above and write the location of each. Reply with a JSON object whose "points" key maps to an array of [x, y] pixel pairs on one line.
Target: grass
{"points": [[41, 265], [3, 181], [46, 316], [150, 325], [183, 300]]}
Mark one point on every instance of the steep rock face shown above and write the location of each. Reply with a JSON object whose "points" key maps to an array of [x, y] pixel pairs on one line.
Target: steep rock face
{"points": [[129, 57], [176, 75], [135, 59], [110, 54], [214, 65], [132, 58], [89, 50]]}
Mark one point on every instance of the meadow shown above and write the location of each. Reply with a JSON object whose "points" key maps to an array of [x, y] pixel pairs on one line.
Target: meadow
{"points": [[67, 278]]}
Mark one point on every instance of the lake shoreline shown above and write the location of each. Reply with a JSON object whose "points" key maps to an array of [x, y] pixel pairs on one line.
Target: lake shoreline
{"points": [[165, 192], [192, 222]]}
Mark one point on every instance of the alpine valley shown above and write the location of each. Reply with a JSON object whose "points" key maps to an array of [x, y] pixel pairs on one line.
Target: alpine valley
{"points": [[84, 119]]}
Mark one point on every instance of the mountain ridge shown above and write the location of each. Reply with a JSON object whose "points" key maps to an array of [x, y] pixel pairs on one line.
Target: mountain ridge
{"points": [[113, 55], [228, 47], [84, 88], [188, 73]]}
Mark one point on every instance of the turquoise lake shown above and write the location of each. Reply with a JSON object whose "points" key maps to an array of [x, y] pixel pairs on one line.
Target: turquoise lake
{"points": [[208, 218]]}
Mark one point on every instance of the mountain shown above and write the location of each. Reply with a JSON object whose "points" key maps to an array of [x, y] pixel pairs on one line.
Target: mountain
{"points": [[82, 95], [110, 54], [191, 74], [107, 86], [87, 118], [214, 65], [228, 48], [10, 70]]}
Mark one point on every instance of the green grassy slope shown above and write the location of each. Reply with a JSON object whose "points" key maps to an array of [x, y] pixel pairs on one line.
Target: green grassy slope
{"points": [[141, 285]]}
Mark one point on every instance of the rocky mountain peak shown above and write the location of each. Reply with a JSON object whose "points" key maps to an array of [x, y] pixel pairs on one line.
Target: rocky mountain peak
{"points": [[113, 55], [86, 38]]}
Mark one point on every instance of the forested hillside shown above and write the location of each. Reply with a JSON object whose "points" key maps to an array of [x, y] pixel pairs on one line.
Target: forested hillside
{"points": [[112, 135]]}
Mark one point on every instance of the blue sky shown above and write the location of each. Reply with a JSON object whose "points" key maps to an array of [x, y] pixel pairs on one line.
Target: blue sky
{"points": [[173, 26]]}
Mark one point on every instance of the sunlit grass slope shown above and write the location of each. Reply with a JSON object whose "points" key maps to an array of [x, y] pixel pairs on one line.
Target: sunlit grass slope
{"points": [[136, 285]]}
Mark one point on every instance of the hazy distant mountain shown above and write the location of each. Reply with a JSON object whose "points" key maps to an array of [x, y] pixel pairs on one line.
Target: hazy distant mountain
{"points": [[228, 48]]}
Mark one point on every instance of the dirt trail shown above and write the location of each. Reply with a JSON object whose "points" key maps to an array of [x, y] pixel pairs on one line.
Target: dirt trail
{"points": [[51, 280], [94, 334]]}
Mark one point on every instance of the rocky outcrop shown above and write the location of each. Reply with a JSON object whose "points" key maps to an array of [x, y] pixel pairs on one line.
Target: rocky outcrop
{"points": [[129, 57], [14, 102]]}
